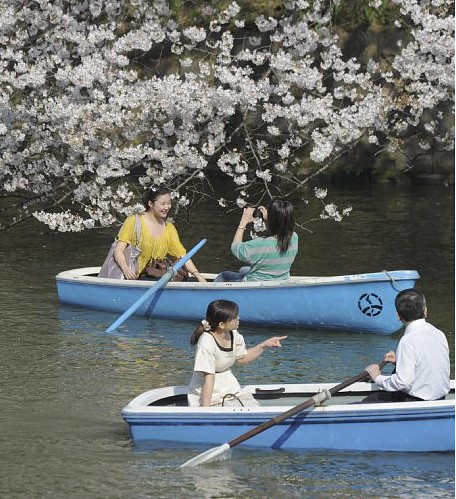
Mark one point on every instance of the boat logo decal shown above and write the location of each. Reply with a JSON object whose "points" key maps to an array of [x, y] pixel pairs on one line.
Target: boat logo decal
{"points": [[370, 304]]}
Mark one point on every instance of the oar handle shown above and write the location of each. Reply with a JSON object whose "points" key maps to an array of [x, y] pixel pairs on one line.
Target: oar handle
{"points": [[297, 409], [354, 379]]}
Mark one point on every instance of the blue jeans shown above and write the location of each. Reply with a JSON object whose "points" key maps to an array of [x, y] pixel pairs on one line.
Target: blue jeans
{"points": [[230, 276]]}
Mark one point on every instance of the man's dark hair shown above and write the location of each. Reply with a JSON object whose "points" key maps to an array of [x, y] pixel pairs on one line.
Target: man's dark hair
{"points": [[410, 305]]}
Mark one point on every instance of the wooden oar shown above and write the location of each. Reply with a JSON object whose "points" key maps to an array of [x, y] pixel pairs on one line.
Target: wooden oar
{"points": [[213, 453], [153, 289]]}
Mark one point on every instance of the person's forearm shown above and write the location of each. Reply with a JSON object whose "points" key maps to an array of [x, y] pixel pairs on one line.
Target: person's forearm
{"points": [[405, 374], [207, 390], [190, 266], [239, 234], [245, 219], [119, 257], [253, 353]]}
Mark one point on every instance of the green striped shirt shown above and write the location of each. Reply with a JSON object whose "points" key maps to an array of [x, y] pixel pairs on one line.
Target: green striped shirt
{"points": [[265, 259]]}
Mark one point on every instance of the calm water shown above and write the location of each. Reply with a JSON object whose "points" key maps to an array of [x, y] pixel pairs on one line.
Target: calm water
{"points": [[63, 381]]}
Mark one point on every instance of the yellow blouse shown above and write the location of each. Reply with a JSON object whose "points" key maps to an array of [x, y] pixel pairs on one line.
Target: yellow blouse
{"points": [[151, 247]]}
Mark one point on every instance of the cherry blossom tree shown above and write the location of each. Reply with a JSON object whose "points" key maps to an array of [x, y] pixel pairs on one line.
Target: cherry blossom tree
{"points": [[88, 122]]}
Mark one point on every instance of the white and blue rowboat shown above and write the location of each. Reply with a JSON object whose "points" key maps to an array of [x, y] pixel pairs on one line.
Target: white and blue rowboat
{"points": [[162, 415], [360, 302]]}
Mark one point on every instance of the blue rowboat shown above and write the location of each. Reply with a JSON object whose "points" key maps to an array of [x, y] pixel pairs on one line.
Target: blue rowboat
{"points": [[360, 302], [163, 415]]}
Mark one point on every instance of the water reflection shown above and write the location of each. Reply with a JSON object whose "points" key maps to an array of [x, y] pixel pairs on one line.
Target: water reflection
{"points": [[265, 473], [210, 483], [214, 480], [64, 381], [305, 356]]}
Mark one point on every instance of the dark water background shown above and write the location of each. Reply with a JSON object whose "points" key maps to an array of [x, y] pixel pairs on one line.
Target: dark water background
{"points": [[63, 381]]}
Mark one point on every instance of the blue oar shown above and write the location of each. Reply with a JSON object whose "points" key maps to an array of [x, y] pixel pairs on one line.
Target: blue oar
{"points": [[158, 285]]}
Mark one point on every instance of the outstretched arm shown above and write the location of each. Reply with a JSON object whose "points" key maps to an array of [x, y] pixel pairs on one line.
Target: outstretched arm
{"points": [[255, 352]]}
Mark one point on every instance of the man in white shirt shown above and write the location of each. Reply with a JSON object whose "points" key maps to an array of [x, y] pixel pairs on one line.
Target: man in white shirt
{"points": [[422, 358]]}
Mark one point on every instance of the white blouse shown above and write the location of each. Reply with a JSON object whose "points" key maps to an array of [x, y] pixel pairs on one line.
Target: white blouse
{"points": [[214, 359]]}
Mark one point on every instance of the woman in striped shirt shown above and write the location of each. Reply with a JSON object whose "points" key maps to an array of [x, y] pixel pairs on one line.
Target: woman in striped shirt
{"points": [[269, 257]]}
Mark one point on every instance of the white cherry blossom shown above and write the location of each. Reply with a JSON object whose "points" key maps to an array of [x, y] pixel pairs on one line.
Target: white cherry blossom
{"points": [[93, 113]]}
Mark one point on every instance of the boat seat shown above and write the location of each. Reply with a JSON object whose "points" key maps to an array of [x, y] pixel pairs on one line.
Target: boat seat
{"points": [[174, 401]]}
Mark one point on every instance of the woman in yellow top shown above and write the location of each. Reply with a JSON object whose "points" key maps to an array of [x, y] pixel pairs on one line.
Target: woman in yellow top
{"points": [[159, 238]]}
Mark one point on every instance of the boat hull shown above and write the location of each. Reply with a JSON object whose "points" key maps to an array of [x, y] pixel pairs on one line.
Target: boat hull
{"points": [[361, 302], [401, 427]]}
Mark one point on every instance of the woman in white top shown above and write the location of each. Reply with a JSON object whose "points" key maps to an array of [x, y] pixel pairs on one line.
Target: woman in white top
{"points": [[218, 347]]}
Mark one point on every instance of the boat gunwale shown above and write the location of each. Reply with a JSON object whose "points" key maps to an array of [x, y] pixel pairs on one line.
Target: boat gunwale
{"points": [[140, 405], [84, 275]]}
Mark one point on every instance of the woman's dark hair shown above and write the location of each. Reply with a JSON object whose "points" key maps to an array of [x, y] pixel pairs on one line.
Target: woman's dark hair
{"points": [[217, 311], [153, 192], [410, 305], [281, 222]]}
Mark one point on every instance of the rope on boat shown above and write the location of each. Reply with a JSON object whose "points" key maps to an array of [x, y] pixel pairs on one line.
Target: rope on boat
{"points": [[393, 281], [320, 397]]}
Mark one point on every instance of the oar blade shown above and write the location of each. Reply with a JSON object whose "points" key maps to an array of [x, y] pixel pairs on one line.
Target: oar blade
{"points": [[207, 456]]}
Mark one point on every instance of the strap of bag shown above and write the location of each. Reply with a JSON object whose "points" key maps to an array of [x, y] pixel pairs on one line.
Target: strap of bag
{"points": [[137, 231]]}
